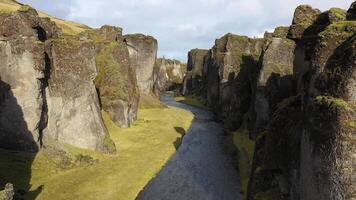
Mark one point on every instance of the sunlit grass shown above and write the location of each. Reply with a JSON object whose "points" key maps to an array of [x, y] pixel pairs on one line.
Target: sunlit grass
{"points": [[143, 150], [192, 100]]}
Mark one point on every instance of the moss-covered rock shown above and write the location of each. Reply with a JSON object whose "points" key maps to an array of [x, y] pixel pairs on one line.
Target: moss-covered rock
{"points": [[116, 79], [351, 13], [304, 16], [74, 115]]}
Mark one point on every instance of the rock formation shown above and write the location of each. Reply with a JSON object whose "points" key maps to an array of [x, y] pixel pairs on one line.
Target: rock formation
{"points": [[50, 82], [116, 80], [143, 54], [169, 75], [296, 90], [193, 78]]}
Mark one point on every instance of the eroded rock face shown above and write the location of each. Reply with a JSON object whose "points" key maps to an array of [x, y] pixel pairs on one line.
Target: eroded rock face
{"points": [[74, 115], [116, 80], [169, 74], [274, 80], [306, 151], [236, 60], [143, 54], [304, 17], [194, 77], [47, 90], [21, 69]]}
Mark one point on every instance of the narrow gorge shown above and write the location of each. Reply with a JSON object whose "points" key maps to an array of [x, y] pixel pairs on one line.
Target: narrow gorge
{"points": [[93, 113]]}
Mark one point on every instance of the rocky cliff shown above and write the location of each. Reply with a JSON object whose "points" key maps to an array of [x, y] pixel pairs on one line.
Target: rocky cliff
{"points": [[295, 88], [143, 55], [168, 74], [116, 82], [54, 83]]}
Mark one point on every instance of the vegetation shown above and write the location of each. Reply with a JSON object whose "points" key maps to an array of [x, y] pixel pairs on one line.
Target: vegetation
{"points": [[338, 12], [269, 195], [148, 101], [142, 152], [287, 102], [193, 100], [334, 102], [246, 148]]}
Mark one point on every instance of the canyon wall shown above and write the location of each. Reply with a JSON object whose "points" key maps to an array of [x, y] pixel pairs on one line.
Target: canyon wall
{"points": [[168, 75], [54, 86], [295, 90], [143, 55]]}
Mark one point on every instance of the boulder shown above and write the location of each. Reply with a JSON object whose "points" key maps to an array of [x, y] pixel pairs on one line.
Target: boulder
{"points": [[143, 54]]}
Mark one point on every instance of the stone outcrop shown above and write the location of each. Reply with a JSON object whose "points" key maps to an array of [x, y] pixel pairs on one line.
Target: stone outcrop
{"points": [[193, 79], [169, 74], [116, 80], [296, 90], [22, 68], [47, 88], [73, 106], [9, 192], [143, 54]]}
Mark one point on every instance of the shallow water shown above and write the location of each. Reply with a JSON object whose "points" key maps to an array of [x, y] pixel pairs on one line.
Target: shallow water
{"points": [[202, 169]]}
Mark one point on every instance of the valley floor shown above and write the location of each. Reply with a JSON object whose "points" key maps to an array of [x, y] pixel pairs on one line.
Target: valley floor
{"points": [[142, 152], [203, 168]]}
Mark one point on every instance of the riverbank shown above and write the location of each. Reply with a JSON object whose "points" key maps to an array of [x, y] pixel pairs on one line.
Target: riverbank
{"points": [[143, 150]]}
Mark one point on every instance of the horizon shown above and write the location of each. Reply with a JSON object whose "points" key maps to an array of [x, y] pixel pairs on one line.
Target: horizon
{"points": [[180, 26]]}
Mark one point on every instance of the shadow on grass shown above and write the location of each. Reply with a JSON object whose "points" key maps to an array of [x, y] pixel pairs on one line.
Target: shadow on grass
{"points": [[179, 140], [15, 140]]}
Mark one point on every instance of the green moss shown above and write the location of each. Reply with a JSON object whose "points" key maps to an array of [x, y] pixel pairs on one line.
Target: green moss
{"points": [[352, 123], [338, 12], [24, 8], [246, 149], [193, 100], [269, 195], [344, 28], [334, 102], [109, 144], [112, 85], [287, 102]]}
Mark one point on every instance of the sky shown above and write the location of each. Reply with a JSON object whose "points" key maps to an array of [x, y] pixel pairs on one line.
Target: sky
{"points": [[181, 25]]}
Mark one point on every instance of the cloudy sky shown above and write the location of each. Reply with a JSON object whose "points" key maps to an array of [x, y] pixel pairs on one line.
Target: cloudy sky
{"points": [[181, 25]]}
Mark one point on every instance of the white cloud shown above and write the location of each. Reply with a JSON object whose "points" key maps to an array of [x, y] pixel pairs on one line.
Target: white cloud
{"points": [[180, 25]]}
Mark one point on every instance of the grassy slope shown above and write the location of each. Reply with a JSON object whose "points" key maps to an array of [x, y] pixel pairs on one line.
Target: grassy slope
{"points": [[245, 147], [142, 152], [68, 27]]}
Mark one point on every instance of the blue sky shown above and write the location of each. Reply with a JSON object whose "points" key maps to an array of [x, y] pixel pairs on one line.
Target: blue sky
{"points": [[181, 25]]}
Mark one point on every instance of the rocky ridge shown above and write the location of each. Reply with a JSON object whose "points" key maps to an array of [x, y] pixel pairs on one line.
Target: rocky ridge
{"points": [[295, 90]]}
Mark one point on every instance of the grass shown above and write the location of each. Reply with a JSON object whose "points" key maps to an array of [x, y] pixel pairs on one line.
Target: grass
{"points": [[246, 148], [142, 151], [334, 102], [192, 100], [148, 101]]}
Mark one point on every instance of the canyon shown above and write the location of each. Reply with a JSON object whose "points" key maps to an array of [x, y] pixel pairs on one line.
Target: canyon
{"points": [[281, 122]]}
